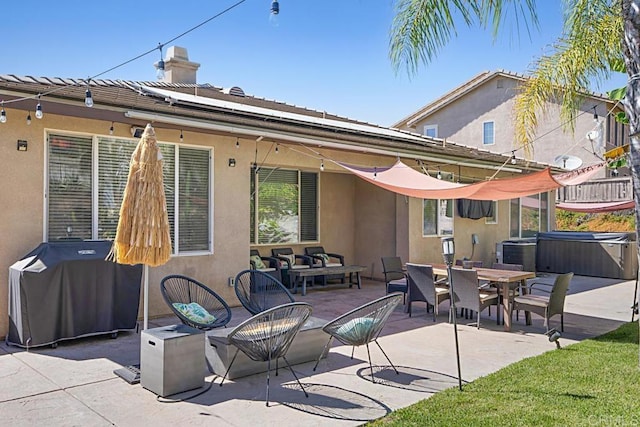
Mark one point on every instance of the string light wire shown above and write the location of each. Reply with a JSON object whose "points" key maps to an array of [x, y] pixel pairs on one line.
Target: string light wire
{"points": [[148, 52]]}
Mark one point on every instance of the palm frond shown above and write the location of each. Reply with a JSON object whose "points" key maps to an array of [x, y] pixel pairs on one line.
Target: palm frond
{"points": [[422, 27], [590, 44]]}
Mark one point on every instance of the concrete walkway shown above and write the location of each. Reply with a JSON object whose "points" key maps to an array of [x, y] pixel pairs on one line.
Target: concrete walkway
{"points": [[74, 384]]}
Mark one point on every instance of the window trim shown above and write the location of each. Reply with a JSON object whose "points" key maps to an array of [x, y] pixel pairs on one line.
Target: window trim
{"points": [[493, 132], [546, 219], [425, 128], [95, 189], [210, 194], [494, 220], [438, 222], [254, 217]]}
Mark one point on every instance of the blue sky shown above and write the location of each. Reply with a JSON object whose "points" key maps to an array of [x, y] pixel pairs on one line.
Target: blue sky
{"points": [[330, 55]]}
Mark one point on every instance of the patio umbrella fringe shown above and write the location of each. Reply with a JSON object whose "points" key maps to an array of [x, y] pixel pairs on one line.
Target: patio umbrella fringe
{"points": [[142, 236]]}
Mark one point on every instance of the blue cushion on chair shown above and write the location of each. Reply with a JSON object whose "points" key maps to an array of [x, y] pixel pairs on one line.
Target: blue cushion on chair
{"points": [[399, 285], [356, 329], [195, 312]]}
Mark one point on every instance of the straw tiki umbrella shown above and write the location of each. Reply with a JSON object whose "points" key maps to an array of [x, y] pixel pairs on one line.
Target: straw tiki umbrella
{"points": [[142, 236]]}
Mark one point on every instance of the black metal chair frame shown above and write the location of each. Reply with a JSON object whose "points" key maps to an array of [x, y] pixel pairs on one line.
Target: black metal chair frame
{"points": [[177, 288], [268, 335], [377, 312], [259, 291]]}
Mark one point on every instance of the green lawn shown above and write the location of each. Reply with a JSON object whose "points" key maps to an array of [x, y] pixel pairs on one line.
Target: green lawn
{"points": [[592, 383]]}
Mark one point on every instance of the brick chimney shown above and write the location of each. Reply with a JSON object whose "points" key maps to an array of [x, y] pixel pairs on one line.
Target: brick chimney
{"points": [[178, 68]]}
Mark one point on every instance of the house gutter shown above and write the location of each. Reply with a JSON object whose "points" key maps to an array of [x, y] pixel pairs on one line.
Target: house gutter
{"points": [[257, 132]]}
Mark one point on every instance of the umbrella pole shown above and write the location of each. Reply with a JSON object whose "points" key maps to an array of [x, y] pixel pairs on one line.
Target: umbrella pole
{"points": [[145, 276]]}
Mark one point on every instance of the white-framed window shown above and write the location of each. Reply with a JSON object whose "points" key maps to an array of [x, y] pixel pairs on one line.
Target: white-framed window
{"points": [[437, 217], [529, 215], [493, 219], [284, 206], [488, 133], [431, 131], [86, 178]]}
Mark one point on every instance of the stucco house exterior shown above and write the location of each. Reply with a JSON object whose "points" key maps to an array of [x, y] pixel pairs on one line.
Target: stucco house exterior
{"points": [[480, 113], [62, 176]]}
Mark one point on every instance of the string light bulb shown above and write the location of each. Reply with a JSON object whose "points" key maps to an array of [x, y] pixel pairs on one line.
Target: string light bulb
{"points": [[273, 13], [181, 136], [321, 165], [29, 118], [237, 142], [595, 114], [160, 65], [88, 98], [3, 114], [39, 113], [439, 175], [375, 172], [513, 158], [111, 129]]}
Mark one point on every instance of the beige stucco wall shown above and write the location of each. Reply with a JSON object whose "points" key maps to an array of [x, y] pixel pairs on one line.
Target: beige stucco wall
{"points": [[427, 249], [462, 121], [375, 226], [357, 219], [21, 195]]}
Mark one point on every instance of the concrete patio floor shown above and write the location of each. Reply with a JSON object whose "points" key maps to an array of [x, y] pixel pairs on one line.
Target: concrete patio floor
{"points": [[74, 384]]}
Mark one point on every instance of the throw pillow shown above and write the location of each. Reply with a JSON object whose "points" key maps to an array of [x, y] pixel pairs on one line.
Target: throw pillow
{"points": [[195, 312], [291, 258], [325, 257], [257, 261]]}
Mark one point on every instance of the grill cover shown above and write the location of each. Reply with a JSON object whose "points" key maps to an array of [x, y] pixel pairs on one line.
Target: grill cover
{"points": [[64, 290]]}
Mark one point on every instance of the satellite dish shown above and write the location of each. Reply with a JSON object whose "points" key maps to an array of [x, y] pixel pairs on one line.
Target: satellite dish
{"points": [[592, 135], [568, 162]]}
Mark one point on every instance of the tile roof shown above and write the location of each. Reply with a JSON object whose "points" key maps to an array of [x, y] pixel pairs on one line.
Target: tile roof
{"points": [[114, 99], [467, 87]]}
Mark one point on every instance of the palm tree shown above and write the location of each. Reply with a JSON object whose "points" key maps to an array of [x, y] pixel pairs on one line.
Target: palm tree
{"points": [[600, 36]]}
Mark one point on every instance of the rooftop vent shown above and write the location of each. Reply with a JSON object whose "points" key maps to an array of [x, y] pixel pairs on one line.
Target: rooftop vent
{"points": [[234, 90]]}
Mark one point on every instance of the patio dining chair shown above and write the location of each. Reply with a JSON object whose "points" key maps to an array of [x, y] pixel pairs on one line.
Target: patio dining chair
{"points": [[547, 305], [394, 276], [422, 287], [259, 291], [468, 294], [361, 326], [194, 303], [267, 336]]}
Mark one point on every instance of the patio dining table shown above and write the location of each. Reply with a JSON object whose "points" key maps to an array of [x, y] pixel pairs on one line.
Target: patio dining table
{"points": [[507, 278]]}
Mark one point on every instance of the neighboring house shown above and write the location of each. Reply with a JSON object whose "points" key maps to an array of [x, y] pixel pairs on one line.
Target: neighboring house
{"points": [[241, 173], [480, 113]]}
